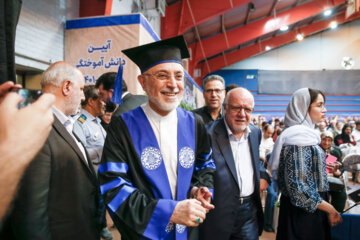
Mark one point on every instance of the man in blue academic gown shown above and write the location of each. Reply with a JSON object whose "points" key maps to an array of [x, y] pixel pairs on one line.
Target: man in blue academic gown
{"points": [[156, 172]]}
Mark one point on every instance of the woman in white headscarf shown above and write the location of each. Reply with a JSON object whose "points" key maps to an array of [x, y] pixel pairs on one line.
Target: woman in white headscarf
{"points": [[304, 211]]}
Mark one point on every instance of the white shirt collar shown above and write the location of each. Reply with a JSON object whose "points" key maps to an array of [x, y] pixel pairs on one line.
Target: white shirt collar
{"points": [[124, 94], [62, 117]]}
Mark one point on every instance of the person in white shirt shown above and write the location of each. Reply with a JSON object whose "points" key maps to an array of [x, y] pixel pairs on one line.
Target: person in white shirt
{"points": [[356, 133], [239, 178], [88, 129], [87, 125], [267, 142], [320, 127]]}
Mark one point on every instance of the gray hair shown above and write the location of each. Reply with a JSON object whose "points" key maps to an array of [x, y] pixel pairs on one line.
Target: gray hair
{"points": [[58, 72], [212, 78]]}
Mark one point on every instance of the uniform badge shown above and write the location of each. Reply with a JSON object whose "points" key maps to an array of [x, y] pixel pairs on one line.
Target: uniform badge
{"points": [[82, 118], [186, 157], [96, 134], [151, 158]]}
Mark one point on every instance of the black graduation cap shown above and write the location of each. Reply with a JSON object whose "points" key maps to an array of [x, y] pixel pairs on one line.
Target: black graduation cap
{"points": [[168, 50]]}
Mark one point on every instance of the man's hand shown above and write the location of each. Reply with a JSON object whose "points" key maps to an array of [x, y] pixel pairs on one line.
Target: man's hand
{"points": [[5, 88], [29, 126], [333, 167], [204, 196], [189, 213], [22, 134], [263, 185]]}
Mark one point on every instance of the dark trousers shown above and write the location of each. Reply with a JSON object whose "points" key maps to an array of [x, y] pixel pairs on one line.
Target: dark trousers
{"points": [[246, 223], [297, 224], [338, 199], [9, 15], [102, 205], [272, 193]]}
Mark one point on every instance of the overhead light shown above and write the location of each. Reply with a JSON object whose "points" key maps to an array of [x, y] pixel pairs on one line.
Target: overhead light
{"points": [[267, 48], [327, 12], [284, 28], [299, 37], [347, 63], [333, 25]]}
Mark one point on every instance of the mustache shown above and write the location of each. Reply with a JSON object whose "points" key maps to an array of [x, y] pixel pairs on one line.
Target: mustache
{"points": [[168, 90]]}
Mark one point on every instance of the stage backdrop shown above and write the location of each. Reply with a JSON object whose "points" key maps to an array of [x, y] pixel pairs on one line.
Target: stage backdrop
{"points": [[94, 46]]}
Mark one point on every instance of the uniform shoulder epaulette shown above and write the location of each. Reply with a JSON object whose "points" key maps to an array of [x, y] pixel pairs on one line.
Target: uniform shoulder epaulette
{"points": [[82, 118]]}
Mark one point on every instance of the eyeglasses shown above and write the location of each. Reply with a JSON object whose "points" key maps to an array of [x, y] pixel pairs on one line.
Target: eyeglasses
{"points": [[238, 109], [216, 91], [165, 76]]}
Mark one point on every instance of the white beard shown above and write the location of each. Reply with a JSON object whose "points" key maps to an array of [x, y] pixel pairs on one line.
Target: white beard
{"points": [[168, 106]]}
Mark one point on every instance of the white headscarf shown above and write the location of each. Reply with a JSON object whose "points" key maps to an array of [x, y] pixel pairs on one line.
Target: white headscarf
{"points": [[297, 110], [299, 126]]}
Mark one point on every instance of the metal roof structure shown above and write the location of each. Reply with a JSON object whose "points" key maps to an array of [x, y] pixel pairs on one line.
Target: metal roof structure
{"points": [[222, 32]]}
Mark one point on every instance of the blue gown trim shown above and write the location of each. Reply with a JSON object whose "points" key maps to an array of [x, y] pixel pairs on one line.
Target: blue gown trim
{"points": [[113, 184], [157, 63], [120, 197], [212, 191], [156, 228], [208, 164], [186, 159], [113, 167], [206, 156]]}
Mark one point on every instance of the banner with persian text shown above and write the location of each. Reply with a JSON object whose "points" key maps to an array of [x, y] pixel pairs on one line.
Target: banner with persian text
{"points": [[94, 45]]}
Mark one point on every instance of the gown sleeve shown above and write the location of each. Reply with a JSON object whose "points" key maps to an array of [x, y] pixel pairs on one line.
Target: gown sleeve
{"points": [[204, 163]]}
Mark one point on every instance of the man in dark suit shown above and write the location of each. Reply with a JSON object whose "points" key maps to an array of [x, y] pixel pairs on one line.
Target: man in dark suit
{"points": [[106, 83], [238, 211], [214, 94], [59, 194]]}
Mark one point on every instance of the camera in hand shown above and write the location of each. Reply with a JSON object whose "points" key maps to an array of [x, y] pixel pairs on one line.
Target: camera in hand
{"points": [[28, 95]]}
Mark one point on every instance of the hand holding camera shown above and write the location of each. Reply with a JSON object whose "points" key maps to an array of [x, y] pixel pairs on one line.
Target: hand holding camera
{"points": [[23, 131]]}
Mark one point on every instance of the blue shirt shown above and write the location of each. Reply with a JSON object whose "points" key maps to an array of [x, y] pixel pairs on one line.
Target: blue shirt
{"points": [[302, 175], [90, 132]]}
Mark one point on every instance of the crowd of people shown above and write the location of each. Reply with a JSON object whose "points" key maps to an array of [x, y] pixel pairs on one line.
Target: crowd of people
{"points": [[302, 126], [160, 171], [339, 138]]}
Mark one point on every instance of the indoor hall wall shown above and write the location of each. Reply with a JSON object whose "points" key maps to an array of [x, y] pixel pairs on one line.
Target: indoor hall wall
{"points": [[40, 32], [321, 51], [147, 9]]}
